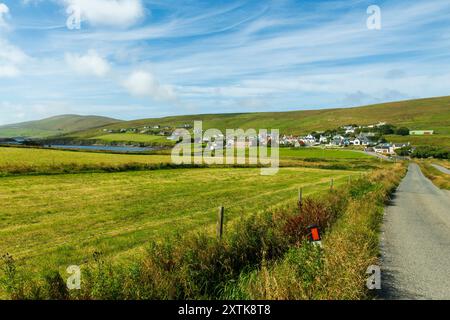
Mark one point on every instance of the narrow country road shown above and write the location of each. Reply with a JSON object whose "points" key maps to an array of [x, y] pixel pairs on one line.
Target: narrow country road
{"points": [[441, 168], [416, 241]]}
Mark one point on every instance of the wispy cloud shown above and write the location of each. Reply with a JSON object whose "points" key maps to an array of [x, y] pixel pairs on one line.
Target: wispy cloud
{"points": [[191, 56]]}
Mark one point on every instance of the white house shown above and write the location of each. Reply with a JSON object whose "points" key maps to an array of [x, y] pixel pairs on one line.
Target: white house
{"points": [[323, 139], [385, 149], [350, 130], [356, 142]]}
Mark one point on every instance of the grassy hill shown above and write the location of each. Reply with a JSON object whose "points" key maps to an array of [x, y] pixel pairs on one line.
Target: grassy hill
{"points": [[433, 113], [54, 126]]}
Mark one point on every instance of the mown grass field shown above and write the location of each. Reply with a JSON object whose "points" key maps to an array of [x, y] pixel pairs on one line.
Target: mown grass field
{"points": [[34, 160], [10, 156], [63, 219], [318, 153]]}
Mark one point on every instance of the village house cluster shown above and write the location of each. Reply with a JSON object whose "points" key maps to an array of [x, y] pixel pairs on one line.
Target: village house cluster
{"points": [[152, 130], [369, 137]]}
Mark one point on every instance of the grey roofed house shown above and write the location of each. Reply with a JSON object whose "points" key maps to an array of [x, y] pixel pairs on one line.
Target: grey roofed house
{"points": [[365, 141], [337, 141]]}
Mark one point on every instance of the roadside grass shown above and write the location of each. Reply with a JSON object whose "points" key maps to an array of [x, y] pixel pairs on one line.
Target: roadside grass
{"points": [[260, 236], [439, 178], [338, 270], [443, 163]]}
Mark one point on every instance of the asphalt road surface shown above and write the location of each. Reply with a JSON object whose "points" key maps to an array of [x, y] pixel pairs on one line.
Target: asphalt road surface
{"points": [[441, 168], [416, 241]]}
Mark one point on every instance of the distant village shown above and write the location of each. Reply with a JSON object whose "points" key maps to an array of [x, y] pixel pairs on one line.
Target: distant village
{"points": [[369, 138]]}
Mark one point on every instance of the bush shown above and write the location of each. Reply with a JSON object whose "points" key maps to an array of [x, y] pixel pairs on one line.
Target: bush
{"points": [[430, 151], [55, 286], [402, 131], [403, 152], [321, 212]]}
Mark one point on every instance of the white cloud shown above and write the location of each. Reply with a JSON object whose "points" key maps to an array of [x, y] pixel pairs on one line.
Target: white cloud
{"points": [[4, 10], [11, 53], [8, 71], [10, 57], [144, 84], [89, 64], [120, 13]]}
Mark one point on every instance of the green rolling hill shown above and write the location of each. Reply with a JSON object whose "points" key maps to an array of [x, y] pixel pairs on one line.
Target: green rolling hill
{"points": [[433, 113], [53, 126]]}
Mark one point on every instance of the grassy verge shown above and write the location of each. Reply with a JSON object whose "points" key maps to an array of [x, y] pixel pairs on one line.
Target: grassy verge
{"points": [[263, 255], [338, 270], [439, 178]]}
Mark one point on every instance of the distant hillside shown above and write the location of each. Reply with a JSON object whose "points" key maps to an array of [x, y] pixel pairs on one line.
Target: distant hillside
{"points": [[433, 113], [54, 126]]}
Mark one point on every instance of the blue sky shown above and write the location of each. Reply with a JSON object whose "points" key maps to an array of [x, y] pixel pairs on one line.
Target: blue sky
{"points": [[134, 59]]}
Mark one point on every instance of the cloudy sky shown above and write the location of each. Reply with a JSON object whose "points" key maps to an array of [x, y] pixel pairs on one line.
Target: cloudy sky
{"points": [[133, 58]]}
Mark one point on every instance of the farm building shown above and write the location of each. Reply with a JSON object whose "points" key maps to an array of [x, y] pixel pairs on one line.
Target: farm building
{"points": [[421, 132]]}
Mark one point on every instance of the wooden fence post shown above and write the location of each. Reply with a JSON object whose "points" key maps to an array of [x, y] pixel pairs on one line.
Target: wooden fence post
{"points": [[332, 182], [220, 223], [300, 198]]}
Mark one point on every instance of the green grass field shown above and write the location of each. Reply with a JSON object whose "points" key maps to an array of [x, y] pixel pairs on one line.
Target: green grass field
{"points": [[135, 137], [42, 158], [442, 140], [318, 153], [62, 219]]}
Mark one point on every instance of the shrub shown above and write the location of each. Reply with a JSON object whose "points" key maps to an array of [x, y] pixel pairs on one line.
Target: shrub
{"points": [[402, 131], [430, 151], [55, 286]]}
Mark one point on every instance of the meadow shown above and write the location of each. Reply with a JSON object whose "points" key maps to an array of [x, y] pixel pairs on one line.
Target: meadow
{"points": [[39, 161], [438, 140], [52, 219], [11, 156], [263, 254], [48, 221], [322, 154], [134, 138]]}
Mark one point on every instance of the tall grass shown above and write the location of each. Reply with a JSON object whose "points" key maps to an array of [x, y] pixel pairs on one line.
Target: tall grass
{"points": [[262, 256], [338, 270], [440, 179]]}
